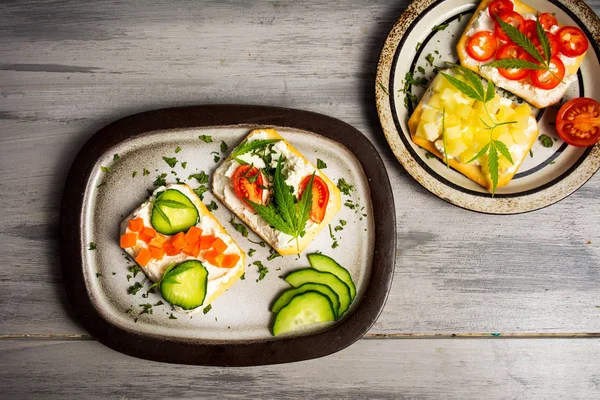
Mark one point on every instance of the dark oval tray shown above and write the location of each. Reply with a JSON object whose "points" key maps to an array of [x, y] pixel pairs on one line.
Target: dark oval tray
{"points": [[88, 297]]}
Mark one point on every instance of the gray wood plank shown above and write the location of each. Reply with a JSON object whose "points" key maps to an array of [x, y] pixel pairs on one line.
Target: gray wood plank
{"points": [[68, 68], [402, 369]]}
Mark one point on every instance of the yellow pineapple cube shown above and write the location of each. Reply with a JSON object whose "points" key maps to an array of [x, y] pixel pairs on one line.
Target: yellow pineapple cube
{"points": [[505, 114], [507, 139], [453, 132], [452, 120], [447, 95], [463, 111], [432, 131], [430, 115], [500, 131], [435, 102], [455, 147], [467, 133]]}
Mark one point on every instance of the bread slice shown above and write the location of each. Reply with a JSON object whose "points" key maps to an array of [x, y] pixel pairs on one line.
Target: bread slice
{"points": [[219, 279], [475, 172], [539, 98], [222, 188]]}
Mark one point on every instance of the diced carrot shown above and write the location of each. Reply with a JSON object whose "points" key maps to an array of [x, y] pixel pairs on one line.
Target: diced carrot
{"points": [[230, 260], [192, 249], [136, 224], [147, 234], [206, 242], [193, 235], [143, 257], [169, 249], [214, 257], [128, 240], [157, 252], [178, 241], [219, 245], [158, 240]]}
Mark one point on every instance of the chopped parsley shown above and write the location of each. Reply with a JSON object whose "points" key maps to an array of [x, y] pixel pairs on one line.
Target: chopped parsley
{"points": [[383, 88], [224, 147], [134, 269], [251, 252], [546, 140], [335, 245], [160, 303], [104, 169], [262, 270], [100, 185], [98, 274], [116, 157], [200, 191], [243, 277], [135, 288], [418, 46], [212, 206], [421, 69], [134, 174], [216, 156], [321, 164], [440, 27], [202, 177], [160, 180], [530, 153], [344, 186], [172, 316], [260, 243], [273, 254], [351, 205], [241, 228], [429, 155], [146, 309], [207, 309], [338, 228], [205, 138], [411, 80], [92, 246], [145, 172], [172, 161], [343, 222], [430, 59], [184, 164], [178, 149]]}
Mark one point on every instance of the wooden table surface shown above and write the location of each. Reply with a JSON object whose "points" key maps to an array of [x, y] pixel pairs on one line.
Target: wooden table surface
{"points": [[526, 286]]}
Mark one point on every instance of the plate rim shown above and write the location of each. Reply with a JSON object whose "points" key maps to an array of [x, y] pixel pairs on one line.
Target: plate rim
{"points": [[243, 352], [489, 205]]}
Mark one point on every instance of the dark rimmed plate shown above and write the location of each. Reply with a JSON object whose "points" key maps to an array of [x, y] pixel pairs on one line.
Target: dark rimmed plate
{"points": [[235, 332], [548, 175]]}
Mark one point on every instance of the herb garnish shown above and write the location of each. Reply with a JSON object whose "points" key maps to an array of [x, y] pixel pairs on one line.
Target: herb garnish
{"points": [[262, 270], [260, 243], [476, 91], [216, 156], [429, 155], [546, 140], [440, 27], [321, 164], [283, 213], [430, 59], [134, 269], [104, 169], [135, 288], [530, 153], [273, 254], [184, 164], [147, 309], [172, 316], [387, 93], [202, 177], [134, 174], [241, 228], [212, 206], [251, 252], [172, 161], [224, 147], [145, 172], [205, 138], [243, 277], [116, 157], [200, 191], [246, 147], [207, 309], [98, 274], [178, 149], [344, 186], [160, 180], [92, 246]]}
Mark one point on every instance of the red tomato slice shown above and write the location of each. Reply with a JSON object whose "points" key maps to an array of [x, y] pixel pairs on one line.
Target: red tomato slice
{"points": [[497, 7], [572, 41], [544, 79], [530, 29], [510, 17], [482, 45], [511, 50], [320, 197], [547, 21], [578, 122], [248, 183]]}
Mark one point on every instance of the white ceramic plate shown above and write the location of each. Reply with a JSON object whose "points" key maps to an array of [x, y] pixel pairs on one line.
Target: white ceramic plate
{"points": [[544, 178]]}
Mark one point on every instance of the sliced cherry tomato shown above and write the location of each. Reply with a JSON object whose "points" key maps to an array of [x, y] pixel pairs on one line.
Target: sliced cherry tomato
{"points": [[572, 41], [530, 29], [552, 39], [497, 7], [544, 79], [320, 197], [510, 17], [547, 21], [247, 183], [482, 45], [511, 50], [578, 122]]}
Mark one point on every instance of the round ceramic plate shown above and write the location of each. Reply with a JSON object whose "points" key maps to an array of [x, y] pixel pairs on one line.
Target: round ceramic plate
{"points": [[421, 41]]}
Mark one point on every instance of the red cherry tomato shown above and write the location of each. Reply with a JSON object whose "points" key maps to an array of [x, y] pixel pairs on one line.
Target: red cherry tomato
{"points": [[578, 122], [482, 45], [544, 79], [320, 197], [510, 17], [511, 50], [497, 7], [572, 41], [247, 183], [547, 21]]}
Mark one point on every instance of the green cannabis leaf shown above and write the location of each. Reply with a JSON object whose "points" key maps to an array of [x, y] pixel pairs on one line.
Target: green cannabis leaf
{"points": [[247, 146]]}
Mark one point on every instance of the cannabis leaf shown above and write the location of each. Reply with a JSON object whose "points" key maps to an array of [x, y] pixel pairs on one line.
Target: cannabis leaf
{"points": [[247, 146], [283, 213]]}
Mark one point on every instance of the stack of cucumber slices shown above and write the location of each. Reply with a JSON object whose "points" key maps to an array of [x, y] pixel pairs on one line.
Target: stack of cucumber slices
{"points": [[322, 293]]}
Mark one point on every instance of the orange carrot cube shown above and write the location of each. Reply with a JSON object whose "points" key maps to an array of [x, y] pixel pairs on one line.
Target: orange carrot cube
{"points": [[192, 249], [178, 241], [193, 235], [158, 240], [206, 242], [136, 224], [169, 249], [214, 257], [147, 234], [128, 240], [157, 252], [143, 257], [219, 245], [230, 260]]}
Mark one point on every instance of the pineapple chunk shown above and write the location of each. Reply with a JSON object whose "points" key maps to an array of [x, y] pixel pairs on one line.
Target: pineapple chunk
{"points": [[463, 111], [522, 114], [452, 120], [455, 147], [453, 132], [430, 115], [467, 156], [432, 131], [503, 163], [500, 131], [447, 95], [507, 139], [493, 105], [467, 133], [505, 114], [435, 102]]}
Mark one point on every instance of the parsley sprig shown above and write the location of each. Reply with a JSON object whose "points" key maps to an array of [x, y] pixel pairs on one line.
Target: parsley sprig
{"points": [[476, 91], [284, 213], [246, 147]]}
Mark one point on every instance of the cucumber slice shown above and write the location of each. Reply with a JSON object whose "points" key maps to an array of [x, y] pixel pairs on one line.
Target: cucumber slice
{"points": [[324, 263], [173, 212], [286, 296], [303, 309], [309, 275], [185, 285]]}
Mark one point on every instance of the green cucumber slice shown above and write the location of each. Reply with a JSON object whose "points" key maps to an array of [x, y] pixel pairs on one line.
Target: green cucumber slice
{"points": [[303, 309], [309, 275], [185, 285], [324, 263], [173, 212], [286, 296]]}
